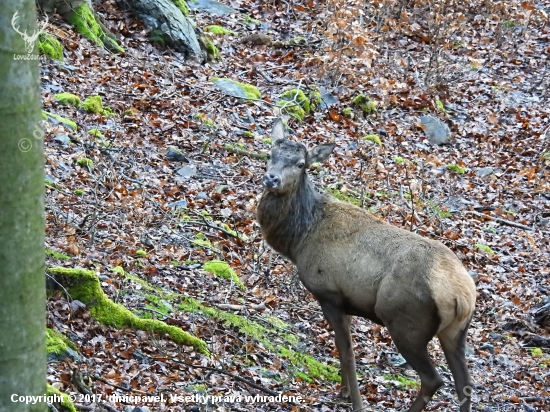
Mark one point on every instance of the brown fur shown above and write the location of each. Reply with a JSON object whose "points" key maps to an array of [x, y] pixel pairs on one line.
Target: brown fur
{"points": [[356, 264]]}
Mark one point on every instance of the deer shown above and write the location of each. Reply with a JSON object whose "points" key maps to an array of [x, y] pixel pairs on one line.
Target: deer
{"points": [[355, 264]]}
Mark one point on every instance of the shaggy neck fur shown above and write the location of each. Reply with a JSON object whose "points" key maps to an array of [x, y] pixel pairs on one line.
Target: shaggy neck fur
{"points": [[287, 219]]}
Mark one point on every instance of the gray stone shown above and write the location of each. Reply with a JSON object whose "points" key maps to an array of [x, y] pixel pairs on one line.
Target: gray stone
{"points": [[230, 87], [187, 171], [211, 6], [437, 132], [485, 171]]}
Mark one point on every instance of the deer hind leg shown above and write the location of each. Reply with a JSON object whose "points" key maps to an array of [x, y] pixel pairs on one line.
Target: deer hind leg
{"points": [[413, 345], [340, 323], [453, 342]]}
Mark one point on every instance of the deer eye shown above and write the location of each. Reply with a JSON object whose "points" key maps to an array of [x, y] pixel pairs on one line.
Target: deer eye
{"points": [[301, 164]]}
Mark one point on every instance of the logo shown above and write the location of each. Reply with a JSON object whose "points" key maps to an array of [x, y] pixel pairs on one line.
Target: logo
{"points": [[29, 40]]}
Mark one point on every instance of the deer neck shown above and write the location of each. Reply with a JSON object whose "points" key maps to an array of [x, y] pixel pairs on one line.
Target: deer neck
{"points": [[287, 220]]}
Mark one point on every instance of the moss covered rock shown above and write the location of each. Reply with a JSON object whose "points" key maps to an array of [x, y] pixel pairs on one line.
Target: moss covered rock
{"points": [[59, 347], [366, 105], [68, 99], [94, 104], [237, 89], [374, 138], [295, 103], [50, 46], [55, 118], [182, 5], [223, 270], [86, 24], [84, 286], [212, 52]]}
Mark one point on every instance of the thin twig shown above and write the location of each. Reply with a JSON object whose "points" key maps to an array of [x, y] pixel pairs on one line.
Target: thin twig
{"points": [[500, 220]]}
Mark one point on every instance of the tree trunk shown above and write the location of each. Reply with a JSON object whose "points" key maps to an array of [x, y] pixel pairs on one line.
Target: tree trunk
{"points": [[22, 289]]}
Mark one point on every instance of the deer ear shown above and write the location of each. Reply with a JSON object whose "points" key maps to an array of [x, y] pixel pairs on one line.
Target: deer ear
{"points": [[278, 131], [319, 153]]}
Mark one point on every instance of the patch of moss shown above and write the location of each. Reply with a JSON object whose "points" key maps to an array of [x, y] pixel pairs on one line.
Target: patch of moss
{"points": [[536, 352], [456, 169], [292, 109], [250, 20], [78, 192], [204, 119], [213, 54], [60, 119], [57, 343], [84, 286], [96, 133], [66, 400], [366, 105], [373, 138], [182, 5], [347, 111], [68, 99], [250, 91], [202, 242], [485, 248], [223, 270], [403, 382], [398, 159], [57, 255], [141, 252], [86, 24], [85, 162], [315, 99], [297, 96], [94, 104], [315, 369], [219, 30], [267, 140], [50, 46], [248, 133]]}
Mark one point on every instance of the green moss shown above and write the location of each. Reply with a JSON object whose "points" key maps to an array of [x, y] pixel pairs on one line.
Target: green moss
{"points": [[94, 104], [292, 109], [86, 24], [250, 91], [57, 343], [267, 141], [211, 49], [343, 197], [219, 30], [68, 99], [366, 105], [96, 133], [398, 159], [456, 169], [347, 111], [57, 255], [248, 133], [536, 352], [182, 5], [485, 248], [250, 20], [204, 119], [373, 138], [434, 208], [141, 252], [66, 402], [297, 96], [85, 162], [50, 46], [315, 99], [202, 242], [223, 270], [404, 383], [84, 286], [315, 369], [79, 192], [61, 119]]}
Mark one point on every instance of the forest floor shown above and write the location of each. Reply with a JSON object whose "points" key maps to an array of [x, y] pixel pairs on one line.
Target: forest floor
{"points": [[482, 69]]}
